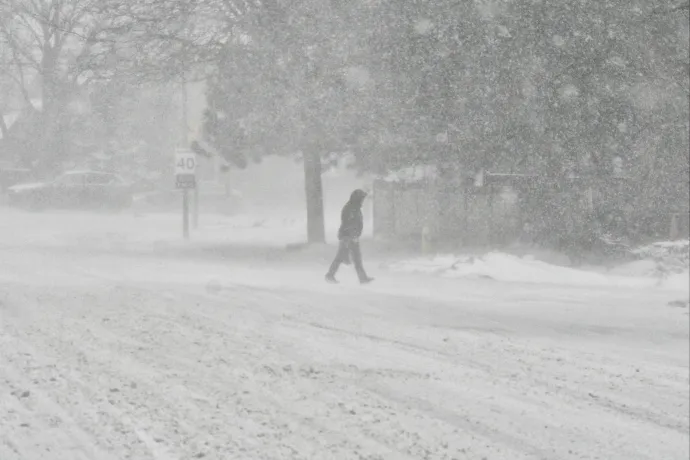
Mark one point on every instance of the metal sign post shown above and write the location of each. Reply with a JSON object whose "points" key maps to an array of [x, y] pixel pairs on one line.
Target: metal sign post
{"points": [[185, 179], [195, 216], [185, 214]]}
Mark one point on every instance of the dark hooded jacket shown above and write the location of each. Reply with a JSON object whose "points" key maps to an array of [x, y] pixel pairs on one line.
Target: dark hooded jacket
{"points": [[352, 220]]}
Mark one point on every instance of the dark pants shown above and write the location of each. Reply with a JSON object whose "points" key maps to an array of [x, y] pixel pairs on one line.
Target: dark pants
{"points": [[348, 249]]}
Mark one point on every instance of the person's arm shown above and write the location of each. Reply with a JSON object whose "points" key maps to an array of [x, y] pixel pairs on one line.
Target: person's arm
{"points": [[349, 224], [359, 222]]}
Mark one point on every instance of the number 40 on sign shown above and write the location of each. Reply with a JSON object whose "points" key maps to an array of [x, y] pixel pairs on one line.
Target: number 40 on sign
{"points": [[185, 163], [185, 170]]}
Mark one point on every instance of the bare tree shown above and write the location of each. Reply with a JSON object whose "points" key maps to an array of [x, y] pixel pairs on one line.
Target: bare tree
{"points": [[47, 48], [6, 87], [284, 57]]}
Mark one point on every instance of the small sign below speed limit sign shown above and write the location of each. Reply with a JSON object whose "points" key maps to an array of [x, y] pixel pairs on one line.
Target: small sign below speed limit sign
{"points": [[185, 163]]}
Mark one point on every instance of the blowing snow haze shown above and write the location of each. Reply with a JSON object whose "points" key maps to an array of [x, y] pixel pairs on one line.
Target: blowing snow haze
{"points": [[176, 180]]}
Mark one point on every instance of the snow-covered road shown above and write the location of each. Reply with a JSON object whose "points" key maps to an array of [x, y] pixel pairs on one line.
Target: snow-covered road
{"points": [[123, 355]]}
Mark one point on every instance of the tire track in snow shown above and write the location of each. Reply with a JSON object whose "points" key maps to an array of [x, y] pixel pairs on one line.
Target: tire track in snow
{"points": [[85, 340], [233, 350]]}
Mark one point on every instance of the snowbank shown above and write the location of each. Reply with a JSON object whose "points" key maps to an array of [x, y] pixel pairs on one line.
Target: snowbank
{"points": [[667, 257], [509, 268], [678, 281], [130, 231]]}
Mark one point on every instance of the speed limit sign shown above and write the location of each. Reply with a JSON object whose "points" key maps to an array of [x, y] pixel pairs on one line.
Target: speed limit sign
{"points": [[185, 163], [185, 170]]}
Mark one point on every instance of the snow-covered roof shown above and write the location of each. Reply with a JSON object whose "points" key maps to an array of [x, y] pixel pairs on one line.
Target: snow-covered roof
{"points": [[10, 118], [410, 174]]}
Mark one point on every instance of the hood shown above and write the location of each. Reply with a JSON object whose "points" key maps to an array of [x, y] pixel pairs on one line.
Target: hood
{"points": [[357, 197], [28, 186]]}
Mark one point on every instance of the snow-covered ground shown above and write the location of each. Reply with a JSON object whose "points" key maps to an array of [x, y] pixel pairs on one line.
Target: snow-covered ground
{"points": [[511, 268], [113, 348]]}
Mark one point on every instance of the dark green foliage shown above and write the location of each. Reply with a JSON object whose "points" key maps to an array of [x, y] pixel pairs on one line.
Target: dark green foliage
{"points": [[560, 90]]}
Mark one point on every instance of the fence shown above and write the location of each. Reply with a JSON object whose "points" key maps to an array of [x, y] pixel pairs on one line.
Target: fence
{"points": [[466, 215], [491, 215]]}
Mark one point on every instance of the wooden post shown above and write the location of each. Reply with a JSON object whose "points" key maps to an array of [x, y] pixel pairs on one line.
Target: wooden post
{"points": [[465, 216], [394, 193], [674, 232], [374, 222], [492, 237], [426, 236]]}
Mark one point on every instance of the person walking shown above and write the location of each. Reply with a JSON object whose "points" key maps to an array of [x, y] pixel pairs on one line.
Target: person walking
{"points": [[351, 226]]}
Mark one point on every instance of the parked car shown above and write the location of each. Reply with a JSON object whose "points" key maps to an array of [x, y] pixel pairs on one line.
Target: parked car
{"points": [[73, 189], [10, 176], [213, 197]]}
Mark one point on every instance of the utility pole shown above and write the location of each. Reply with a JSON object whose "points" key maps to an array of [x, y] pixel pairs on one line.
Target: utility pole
{"points": [[185, 123]]}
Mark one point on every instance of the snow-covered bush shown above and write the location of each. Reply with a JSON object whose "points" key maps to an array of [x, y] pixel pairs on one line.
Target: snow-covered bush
{"points": [[670, 257]]}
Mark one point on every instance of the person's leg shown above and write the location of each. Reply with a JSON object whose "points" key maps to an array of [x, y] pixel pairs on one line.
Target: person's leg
{"points": [[340, 255], [356, 253]]}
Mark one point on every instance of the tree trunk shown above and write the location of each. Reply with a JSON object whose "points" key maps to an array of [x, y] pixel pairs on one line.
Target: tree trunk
{"points": [[314, 191], [3, 126]]}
